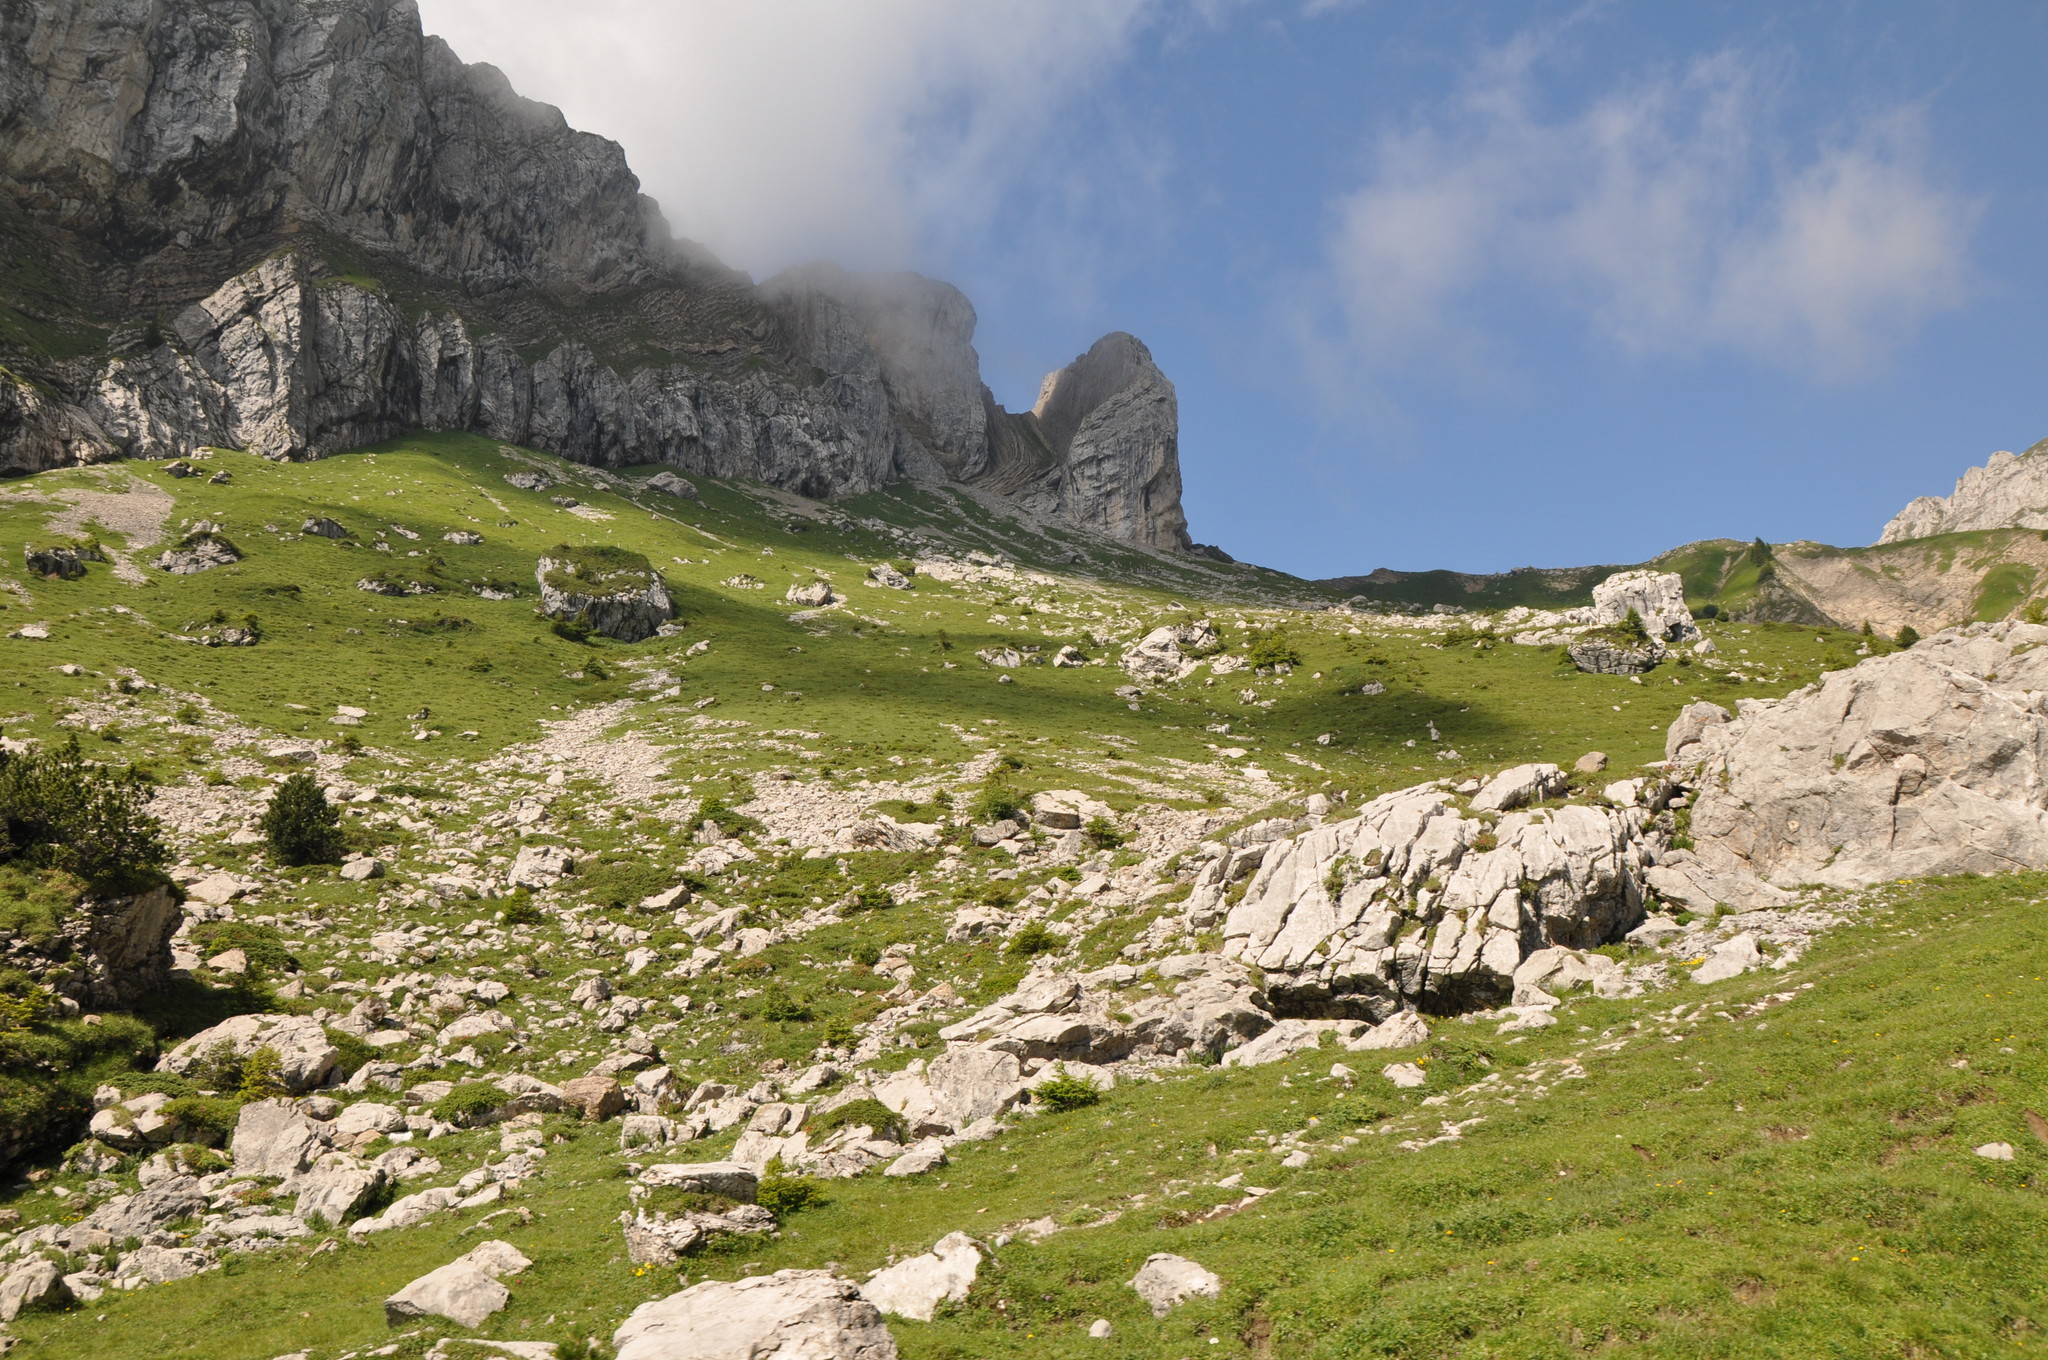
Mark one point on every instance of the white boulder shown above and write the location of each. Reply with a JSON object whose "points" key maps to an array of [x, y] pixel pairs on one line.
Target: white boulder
{"points": [[914, 1288], [790, 1315], [1166, 1281]]}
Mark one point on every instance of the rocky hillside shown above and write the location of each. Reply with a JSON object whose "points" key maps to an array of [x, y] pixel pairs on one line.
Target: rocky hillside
{"points": [[620, 909], [296, 228]]}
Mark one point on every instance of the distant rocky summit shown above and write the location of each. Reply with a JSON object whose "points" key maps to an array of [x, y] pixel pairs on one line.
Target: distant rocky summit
{"points": [[297, 228], [2009, 492]]}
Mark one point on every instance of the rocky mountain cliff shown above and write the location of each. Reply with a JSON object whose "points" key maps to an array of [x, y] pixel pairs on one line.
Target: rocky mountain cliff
{"points": [[298, 227], [2009, 492]]}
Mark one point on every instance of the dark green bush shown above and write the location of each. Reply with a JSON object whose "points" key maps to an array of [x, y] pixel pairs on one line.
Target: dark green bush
{"points": [[1032, 940], [302, 826], [355, 1051], [782, 1007], [871, 898], [1065, 1092], [1355, 1111], [263, 945], [59, 810]]}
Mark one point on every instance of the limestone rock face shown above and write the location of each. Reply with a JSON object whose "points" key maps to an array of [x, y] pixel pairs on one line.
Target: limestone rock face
{"points": [[1111, 422], [249, 170], [114, 951], [1658, 597], [1927, 761], [920, 333], [2009, 492], [1415, 904], [797, 1314]]}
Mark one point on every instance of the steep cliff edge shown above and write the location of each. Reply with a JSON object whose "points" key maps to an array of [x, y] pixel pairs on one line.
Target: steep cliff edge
{"points": [[296, 228]]}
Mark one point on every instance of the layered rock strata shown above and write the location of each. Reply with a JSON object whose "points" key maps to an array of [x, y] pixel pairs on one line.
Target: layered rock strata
{"points": [[299, 228]]}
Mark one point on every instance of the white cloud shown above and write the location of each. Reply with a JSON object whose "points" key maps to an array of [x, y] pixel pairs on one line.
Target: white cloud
{"points": [[1672, 215], [780, 130]]}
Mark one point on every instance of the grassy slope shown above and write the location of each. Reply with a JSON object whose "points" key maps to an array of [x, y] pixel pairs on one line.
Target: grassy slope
{"points": [[871, 677], [1794, 1182]]}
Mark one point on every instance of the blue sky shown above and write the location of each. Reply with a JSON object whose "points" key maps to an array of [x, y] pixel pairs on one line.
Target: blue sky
{"points": [[1457, 285]]}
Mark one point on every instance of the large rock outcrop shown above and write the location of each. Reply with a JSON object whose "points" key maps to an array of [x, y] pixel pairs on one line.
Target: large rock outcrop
{"points": [[299, 227], [1928, 761], [1418, 903], [111, 951], [617, 594], [2009, 492]]}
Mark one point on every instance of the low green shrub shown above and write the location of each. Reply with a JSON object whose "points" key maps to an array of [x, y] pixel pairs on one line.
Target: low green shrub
{"points": [[868, 1112], [1100, 833], [996, 802], [783, 1195], [784, 1008], [1065, 1092], [1033, 939], [469, 1105]]}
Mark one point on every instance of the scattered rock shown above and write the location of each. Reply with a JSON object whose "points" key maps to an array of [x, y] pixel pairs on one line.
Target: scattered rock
{"points": [[306, 1055], [623, 598], [792, 1314], [1407, 1076], [363, 870], [1997, 1152], [1593, 762], [1730, 958], [466, 1291], [1166, 1281], [914, 1288], [540, 866], [1657, 597], [599, 1098], [1604, 656], [273, 1138], [669, 484], [924, 1155], [729, 1179], [1163, 653], [58, 564], [31, 1287], [1519, 787], [816, 595], [321, 527]]}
